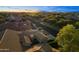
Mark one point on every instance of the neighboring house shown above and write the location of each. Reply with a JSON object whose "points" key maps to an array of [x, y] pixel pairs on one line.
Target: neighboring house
{"points": [[16, 22]]}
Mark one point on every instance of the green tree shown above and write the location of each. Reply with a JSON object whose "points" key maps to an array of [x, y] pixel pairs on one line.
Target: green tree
{"points": [[68, 38], [77, 24]]}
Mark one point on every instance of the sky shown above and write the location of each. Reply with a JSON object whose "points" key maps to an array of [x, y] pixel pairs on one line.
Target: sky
{"points": [[43, 8]]}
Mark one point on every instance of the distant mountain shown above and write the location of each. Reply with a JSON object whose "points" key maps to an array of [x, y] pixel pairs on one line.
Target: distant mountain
{"points": [[19, 10]]}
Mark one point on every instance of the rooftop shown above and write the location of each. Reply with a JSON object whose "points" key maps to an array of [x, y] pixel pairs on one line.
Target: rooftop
{"points": [[10, 41]]}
